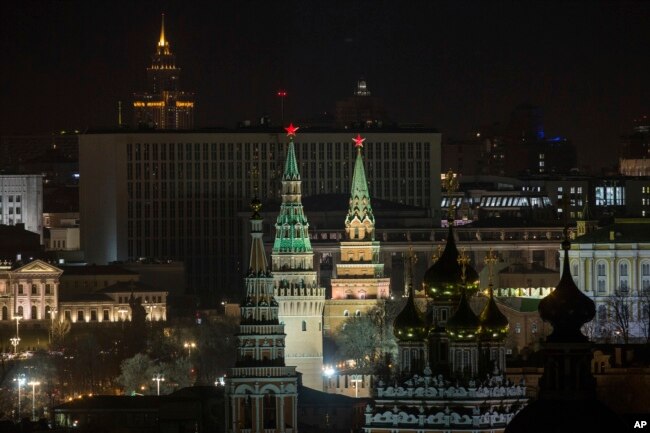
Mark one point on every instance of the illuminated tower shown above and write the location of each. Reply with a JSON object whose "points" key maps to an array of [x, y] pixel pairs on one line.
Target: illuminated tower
{"points": [[261, 392], [359, 284], [164, 106], [300, 299]]}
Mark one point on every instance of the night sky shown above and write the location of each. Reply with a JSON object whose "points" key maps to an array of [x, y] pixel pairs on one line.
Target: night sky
{"points": [[451, 65]]}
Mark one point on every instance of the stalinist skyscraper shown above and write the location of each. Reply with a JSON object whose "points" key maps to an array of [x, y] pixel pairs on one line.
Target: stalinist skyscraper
{"points": [[163, 106], [300, 299]]}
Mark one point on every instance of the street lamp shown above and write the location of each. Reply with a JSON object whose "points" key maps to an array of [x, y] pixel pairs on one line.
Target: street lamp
{"points": [[356, 379], [14, 342], [53, 312], [20, 381], [34, 384], [158, 378], [189, 345]]}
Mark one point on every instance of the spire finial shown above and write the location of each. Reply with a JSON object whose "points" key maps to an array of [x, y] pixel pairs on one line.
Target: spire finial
{"points": [[291, 130], [450, 184], [162, 42], [463, 261], [358, 141], [490, 261]]}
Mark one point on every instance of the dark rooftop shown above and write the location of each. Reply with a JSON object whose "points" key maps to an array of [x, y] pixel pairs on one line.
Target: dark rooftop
{"points": [[84, 297], [623, 230], [96, 270], [129, 286]]}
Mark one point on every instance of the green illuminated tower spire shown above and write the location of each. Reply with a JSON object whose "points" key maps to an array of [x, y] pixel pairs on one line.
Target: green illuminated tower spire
{"points": [[291, 226], [300, 299], [360, 222]]}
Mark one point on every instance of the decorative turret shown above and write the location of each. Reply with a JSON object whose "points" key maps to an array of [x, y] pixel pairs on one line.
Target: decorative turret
{"points": [[463, 324], [360, 221], [493, 323], [567, 308]]}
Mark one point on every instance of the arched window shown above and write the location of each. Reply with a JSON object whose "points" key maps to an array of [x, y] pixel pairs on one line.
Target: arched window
{"points": [[623, 277], [34, 315], [5, 313], [346, 313], [20, 311], [304, 325], [269, 410], [645, 277], [601, 277], [357, 313]]}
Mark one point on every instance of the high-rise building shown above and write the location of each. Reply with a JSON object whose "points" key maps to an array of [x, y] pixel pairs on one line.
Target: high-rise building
{"points": [[359, 284], [300, 298], [361, 110], [261, 391], [21, 201], [163, 106], [176, 195]]}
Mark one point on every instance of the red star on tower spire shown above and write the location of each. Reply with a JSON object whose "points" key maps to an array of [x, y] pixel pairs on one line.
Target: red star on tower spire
{"points": [[291, 130], [358, 141]]}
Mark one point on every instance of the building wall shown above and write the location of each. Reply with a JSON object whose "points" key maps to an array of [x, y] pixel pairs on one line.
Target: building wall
{"points": [[22, 201], [211, 182]]}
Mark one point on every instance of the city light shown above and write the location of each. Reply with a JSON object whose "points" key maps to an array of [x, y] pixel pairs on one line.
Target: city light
{"points": [[20, 381], [158, 378], [34, 384], [189, 345]]}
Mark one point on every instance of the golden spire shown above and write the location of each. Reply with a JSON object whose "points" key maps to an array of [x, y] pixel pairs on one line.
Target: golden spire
{"points": [[163, 44]]}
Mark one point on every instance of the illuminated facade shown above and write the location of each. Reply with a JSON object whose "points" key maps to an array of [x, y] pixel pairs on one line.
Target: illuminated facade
{"points": [[164, 106], [21, 201], [29, 291], [359, 284]]}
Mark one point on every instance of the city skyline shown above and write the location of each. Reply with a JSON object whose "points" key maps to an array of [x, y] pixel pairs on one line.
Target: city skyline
{"points": [[70, 63]]}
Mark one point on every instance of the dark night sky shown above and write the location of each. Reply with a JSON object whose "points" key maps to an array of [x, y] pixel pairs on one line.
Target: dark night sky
{"points": [[452, 65]]}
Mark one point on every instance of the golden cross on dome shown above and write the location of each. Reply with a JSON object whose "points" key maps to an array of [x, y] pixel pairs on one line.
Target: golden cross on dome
{"points": [[450, 182], [490, 261], [435, 256], [463, 261], [291, 130], [358, 141]]}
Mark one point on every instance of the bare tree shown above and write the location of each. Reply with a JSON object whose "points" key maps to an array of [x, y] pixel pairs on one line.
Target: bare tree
{"points": [[644, 313], [620, 305], [60, 329]]}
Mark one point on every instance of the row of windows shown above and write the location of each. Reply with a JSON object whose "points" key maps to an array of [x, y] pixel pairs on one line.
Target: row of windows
{"points": [[20, 312], [34, 289], [267, 151], [11, 199]]}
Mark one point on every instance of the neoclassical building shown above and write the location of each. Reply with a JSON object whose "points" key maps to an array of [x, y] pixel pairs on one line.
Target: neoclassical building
{"points": [[359, 284], [300, 299], [611, 265], [261, 391], [28, 291]]}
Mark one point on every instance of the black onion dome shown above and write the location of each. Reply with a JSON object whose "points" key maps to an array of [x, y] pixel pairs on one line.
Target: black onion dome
{"points": [[567, 308], [463, 324], [493, 323], [409, 324], [444, 279]]}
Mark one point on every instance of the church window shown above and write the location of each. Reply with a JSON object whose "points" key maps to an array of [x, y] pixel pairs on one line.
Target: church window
{"points": [[346, 313], [357, 313]]}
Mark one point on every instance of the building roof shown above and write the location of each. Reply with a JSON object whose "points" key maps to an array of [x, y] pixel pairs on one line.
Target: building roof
{"points": [[96, 270], [527, 268], [520, 303], [312, 397], [112, 402], [129, 286], [624, 230], [84, 297]]}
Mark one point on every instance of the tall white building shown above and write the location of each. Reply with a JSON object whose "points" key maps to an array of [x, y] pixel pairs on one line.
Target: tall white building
{"points": [[176, 195], [21, 201]]}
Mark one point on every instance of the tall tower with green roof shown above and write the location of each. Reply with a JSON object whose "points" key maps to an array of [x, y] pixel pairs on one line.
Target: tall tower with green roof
{"points": [[300, 299], [359, 284]]}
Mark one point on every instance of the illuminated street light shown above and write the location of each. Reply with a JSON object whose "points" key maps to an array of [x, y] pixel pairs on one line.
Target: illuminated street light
{"points": [[34, 384], [20, 381], [356, 379], [14, 342], [189, 345], [158, 378]]}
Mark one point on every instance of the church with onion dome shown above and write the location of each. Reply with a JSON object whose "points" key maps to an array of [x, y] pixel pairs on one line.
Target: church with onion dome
{"points": [[451, 361]]}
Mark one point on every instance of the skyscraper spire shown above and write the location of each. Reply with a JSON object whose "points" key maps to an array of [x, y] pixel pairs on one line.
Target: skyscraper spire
{"points": [[163, 44], [360, 221]]}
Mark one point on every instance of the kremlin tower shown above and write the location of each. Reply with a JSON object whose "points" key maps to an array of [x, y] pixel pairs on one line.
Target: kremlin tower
{"points": [[261, 392], [299, 297], [359, 284], [164, 106]]}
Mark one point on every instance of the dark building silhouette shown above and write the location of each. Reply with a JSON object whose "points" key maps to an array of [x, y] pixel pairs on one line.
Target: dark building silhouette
{"points": [[164, 106], [361, 110]]}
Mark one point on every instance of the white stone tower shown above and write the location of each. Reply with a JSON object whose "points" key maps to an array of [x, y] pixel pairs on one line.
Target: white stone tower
{"points": [[299, 296]]}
